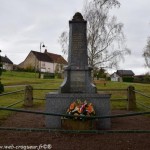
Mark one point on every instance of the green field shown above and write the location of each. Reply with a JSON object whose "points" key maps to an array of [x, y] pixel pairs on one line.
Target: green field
{"points": [[24, 78], [10, 78]]}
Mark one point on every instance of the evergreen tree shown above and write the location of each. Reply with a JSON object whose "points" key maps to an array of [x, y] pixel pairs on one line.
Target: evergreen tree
{"points": [[1, 85]]}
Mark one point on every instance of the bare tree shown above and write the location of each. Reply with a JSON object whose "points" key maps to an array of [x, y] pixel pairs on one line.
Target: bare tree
{"points": [[63, 41], [146, 53], [106, 41], [105, 38]]}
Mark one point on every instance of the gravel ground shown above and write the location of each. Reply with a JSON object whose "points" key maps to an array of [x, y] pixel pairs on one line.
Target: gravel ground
{"points": [[62, 141]]}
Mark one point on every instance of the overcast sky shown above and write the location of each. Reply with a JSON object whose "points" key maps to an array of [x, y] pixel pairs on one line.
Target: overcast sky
{"points": [[26, 23]]}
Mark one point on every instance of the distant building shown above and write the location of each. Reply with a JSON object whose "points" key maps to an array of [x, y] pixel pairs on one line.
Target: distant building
{"points": [[120, 75], [7, 63], [44, 62]]}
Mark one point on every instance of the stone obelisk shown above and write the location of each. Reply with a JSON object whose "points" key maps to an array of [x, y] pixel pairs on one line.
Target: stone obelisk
{"points": [[77, 73]]}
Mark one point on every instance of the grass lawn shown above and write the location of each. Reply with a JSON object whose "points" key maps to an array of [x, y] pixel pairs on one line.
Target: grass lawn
{"points": [[24, 78], [143, 88]]}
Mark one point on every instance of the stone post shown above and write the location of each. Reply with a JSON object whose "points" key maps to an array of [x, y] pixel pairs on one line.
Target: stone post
{"points": [[131, 98], [28, 99]]}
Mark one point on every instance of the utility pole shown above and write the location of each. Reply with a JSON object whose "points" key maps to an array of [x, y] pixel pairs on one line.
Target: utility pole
{"points": [[41, 45]]}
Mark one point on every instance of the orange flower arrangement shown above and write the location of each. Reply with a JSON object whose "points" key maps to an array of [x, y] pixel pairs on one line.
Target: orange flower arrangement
{"points": [[79, 108]]}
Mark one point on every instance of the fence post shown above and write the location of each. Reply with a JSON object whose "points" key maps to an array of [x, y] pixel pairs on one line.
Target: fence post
{"points": [[28, 98], [131, 98]]}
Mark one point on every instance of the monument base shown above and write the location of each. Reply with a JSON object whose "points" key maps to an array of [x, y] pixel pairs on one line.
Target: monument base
{"points": [[70, 124], [59, 103]]}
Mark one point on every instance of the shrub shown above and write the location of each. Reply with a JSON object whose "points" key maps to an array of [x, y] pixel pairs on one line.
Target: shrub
{"points": [[25, 70], [1, 88], [1, 85], [58, 75], [49, 76], [128, 79], [142, 79], [147, 79]]}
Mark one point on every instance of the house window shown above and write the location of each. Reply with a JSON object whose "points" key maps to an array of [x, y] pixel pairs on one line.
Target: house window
{"points": [[48, 70]]}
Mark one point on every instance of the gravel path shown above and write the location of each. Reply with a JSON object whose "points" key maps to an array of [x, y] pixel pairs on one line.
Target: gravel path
{"points": [[61, 141]]}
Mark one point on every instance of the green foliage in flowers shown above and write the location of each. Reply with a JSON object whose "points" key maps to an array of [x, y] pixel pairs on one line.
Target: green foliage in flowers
{"points": [[80, 108]]}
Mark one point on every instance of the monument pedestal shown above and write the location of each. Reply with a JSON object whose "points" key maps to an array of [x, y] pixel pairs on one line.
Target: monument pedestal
{"points": [[70, 124], [59, 103], [77, 81]]}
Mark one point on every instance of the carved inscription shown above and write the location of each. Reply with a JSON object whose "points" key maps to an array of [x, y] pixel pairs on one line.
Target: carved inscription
{"points": [[78, 49], [77, 76], [77, 81], [77, 44]]}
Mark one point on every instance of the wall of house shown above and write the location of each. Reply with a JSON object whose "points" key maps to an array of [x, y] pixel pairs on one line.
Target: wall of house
{"points": [[47, 67], [120, 79], [115, 77], [7, 66], [30, 62], [50, 67], [59, 68]]}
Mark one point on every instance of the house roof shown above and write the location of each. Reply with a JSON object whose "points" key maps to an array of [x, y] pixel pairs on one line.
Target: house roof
{"points": [[125, 73], [6, 60], [41, 56], [49, 57], [56, 58]]}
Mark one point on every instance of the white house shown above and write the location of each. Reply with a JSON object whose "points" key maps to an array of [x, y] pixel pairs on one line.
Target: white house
{"points": [[43, 62], [7, 63], [114, 77], [120, 74]]}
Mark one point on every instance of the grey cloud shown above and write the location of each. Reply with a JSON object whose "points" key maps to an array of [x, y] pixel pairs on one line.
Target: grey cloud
{"points": [[25, 23]]}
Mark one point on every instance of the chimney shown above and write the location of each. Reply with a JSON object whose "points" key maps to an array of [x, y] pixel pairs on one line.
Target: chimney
{"points": [[45, 51]]}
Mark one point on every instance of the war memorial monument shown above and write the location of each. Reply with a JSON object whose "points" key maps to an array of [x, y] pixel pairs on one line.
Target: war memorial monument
{"points": [[77, 83]]}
